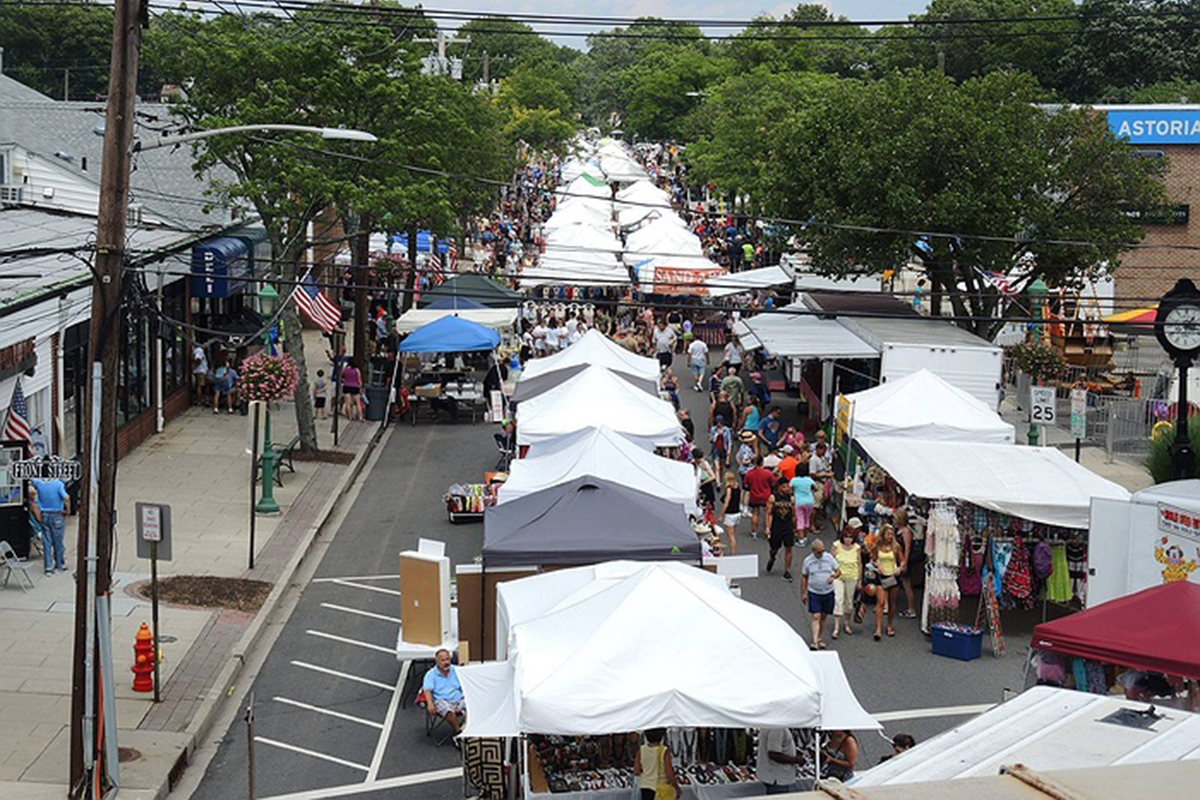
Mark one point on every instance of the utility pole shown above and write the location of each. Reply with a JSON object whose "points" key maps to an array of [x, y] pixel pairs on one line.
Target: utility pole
{"points": [[360, 261], [441, 40], [98, 509], [486, 82]]}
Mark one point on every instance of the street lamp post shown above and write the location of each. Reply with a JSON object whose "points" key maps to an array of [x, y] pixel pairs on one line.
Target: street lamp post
{"points": [[1037, 292], [268, 302]]}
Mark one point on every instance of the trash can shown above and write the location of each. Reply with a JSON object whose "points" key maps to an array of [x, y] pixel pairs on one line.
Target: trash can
{"points": [[377, 397]]}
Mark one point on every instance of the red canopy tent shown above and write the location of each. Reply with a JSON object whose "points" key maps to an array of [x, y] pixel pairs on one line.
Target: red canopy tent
{"points": [[1156, 629]]}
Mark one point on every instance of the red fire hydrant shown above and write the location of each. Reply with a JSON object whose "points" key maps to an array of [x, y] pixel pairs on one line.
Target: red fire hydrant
{"points": [[143, 661]]}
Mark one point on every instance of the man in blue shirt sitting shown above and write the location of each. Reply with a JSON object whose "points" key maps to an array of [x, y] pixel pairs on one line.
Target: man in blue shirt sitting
{"points": [[443, 692]]}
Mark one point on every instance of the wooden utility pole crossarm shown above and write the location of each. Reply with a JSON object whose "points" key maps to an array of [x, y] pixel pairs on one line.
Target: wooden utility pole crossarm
{"points": [[97, 511]]}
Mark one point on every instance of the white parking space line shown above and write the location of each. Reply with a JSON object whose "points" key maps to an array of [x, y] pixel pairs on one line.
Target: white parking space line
{"points": [[353, 585], [388, 722], [391, 651], [360, 612], [311, 753], [391, 577], [328, 712], [350, 790], [344, 675], [932, 713]]}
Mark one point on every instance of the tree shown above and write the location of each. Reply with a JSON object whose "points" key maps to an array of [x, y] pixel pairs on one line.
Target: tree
{"points": [[59, 50], [309, 70], [1129, 44], [664, 85], [790, 44], [508, 44], [916, 152], [944, 41]]}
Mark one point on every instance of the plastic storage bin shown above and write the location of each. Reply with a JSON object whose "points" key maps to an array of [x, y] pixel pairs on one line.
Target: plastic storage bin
{"points": [[957, 641]]}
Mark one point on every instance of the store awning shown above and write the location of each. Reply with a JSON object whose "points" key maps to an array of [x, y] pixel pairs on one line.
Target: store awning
{"points": [[748, 281], [803, 335], [1156, 629], [1035, 483]]}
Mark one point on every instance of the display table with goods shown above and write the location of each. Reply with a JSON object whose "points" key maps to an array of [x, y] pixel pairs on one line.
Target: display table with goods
{"points": [[466, 502]]}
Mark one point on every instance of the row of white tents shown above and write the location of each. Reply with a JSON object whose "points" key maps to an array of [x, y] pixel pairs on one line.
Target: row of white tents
{"points": [[597, 649], [581, 243]]}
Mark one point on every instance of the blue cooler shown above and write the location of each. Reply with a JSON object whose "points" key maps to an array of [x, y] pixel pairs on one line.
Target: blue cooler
{"points": [[957, 641]]}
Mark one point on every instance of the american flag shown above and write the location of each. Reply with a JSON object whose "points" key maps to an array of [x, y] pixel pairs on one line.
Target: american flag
{"points": [[436, 274], [452, 250], [315, 305], [1000, 281], [16, 424]]}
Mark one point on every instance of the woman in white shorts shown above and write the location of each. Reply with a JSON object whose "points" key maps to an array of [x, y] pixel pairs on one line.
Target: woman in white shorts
{"points": [[731, 510]]}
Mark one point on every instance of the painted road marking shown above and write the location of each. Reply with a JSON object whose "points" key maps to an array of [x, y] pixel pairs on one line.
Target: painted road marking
{"points": [[391, 651], [388, 722], [337, 714], [361, 613], [393, 577], [350, 790], [930, 713], [353, 585], [312, 753], [336, 674]]}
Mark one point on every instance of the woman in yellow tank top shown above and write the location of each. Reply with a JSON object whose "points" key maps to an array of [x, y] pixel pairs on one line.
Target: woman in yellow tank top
{"points": [[888, 560], [848, 553]]}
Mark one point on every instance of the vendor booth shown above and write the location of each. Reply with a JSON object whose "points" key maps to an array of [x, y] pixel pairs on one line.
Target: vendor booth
{"points": [[596, 349], [473, 287], [993, 517], [601, 453], [748, 281], [452, 306], [595, 664], [608, 400], [584, 521], [923, 406], [585, 210], [450, 335], [1150, 539], [1155, 631], [528, 388], [439, 386]]}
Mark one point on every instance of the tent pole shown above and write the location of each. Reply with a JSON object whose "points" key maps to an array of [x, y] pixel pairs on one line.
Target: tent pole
{"points": [[817, 758]]}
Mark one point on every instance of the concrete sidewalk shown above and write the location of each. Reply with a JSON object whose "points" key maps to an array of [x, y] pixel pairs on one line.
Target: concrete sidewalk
{"points": [[199, 466]]}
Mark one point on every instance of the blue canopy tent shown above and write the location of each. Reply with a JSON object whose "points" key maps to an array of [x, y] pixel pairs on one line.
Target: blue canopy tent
{"points": [[450, 335]]}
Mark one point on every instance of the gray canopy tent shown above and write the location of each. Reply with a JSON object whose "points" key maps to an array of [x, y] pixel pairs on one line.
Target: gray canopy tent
{"points": [[586, 521]]}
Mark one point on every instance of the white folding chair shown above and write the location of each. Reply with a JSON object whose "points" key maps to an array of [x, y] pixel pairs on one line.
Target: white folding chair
{"points": [[9, 561]]}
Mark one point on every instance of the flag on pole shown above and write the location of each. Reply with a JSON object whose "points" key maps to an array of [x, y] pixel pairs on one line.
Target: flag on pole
{"points": [[436, 274], [453, 253], [16, 423], [315, 305], [1000, 281]]}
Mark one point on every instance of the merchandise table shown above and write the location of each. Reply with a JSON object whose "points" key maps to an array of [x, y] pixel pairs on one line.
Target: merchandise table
{"points": [[724, 791]]}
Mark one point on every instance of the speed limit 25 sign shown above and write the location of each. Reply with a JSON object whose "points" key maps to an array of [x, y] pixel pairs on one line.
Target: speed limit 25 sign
{"points": [[1042, 406]]}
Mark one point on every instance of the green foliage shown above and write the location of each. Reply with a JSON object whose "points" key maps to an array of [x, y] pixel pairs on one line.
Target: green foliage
{"points": [[789, 47], [1039, 361], [43, 42], [664, 86], [916, 151], [509, 44], [1158, 460]]}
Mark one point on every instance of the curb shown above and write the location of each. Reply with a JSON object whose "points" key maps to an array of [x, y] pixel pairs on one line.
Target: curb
{"points": [[223, 688]]}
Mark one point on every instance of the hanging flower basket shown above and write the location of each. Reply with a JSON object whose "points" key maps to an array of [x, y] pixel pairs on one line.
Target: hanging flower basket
{"points": [[269, 378]]}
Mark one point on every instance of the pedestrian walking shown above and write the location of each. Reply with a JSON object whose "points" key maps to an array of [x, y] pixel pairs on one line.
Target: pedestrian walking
{"points": [[664, 339], [224, 379], [802, 490], [781, 514], [759, 484], [818, 575], [352, 405], [888, 561], [848, 554], [320, 387], [731, 510], [53, 504], [697, 353]]}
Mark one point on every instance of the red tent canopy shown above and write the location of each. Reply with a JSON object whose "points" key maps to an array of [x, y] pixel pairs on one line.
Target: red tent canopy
{"points": [[1156, 629]]}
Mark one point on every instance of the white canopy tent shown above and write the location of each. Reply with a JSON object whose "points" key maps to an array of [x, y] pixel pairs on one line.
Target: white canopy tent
{"points": [[643, 193], [1036, 483], [749, 280], [664, 237], [601, 453], [585, 186], [584, 239], [594, 349], [575, 267], [922, 405], [597, 213], [607, 658], [801, 335], [573, 167], [494, 318], [598, 397], [621, 168]]}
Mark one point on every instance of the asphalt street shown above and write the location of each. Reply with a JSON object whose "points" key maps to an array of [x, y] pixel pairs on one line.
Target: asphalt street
{"points": [[327, 706]]}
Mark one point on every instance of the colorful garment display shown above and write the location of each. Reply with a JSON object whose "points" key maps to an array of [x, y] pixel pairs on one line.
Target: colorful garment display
{"points": [[1058, 583]]}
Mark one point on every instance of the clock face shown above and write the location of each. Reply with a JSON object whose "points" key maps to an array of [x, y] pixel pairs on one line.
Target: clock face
{"points": [[1182, 327]]}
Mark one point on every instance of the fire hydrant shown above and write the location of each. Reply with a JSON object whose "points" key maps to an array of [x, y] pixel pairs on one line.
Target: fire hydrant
{"points": [[143, 661]]}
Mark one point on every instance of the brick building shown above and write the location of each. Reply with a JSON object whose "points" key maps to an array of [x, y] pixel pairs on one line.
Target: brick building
{"points": [[1171, 132]]}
